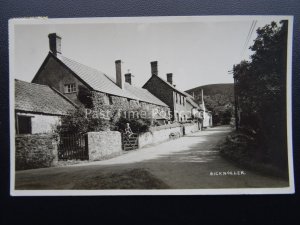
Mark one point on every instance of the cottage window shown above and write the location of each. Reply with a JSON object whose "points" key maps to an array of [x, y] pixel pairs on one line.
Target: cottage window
{"points": [[70, 88], [23, 125], [180, 99], [176, 97], [183, 101]]}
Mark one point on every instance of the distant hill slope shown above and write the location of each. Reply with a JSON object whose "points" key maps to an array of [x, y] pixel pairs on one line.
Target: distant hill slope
{"points": [[212, 89], [218, 98]]}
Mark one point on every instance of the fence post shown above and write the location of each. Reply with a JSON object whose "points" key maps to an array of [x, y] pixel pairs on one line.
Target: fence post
{"points": [[86, 143]]}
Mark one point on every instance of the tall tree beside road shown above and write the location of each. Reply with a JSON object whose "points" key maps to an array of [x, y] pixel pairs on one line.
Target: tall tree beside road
{"points": [[261, 92]]}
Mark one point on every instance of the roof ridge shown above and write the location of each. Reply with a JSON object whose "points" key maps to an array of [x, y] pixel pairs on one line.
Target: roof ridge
{"points": [[65, 97], [182, 92], [92, 68], [102, 82]]}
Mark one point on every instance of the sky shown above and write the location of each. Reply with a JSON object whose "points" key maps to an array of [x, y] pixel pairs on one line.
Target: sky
{"points": [[196, 52]]}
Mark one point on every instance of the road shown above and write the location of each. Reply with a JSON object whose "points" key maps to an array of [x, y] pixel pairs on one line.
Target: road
{"points": [[190, 162]]}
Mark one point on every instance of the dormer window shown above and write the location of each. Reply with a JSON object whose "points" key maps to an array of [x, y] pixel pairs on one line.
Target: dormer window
{"points": [[70, 88]]}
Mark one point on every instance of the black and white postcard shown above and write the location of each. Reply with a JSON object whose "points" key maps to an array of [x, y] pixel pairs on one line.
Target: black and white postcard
{"points": [[196, 105]]}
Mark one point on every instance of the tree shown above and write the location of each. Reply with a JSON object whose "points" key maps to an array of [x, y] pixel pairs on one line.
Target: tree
{"points": [[261, 88]]}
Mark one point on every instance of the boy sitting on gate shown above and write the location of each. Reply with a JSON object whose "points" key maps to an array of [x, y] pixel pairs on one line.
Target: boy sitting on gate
{"points": [[128, 130]]}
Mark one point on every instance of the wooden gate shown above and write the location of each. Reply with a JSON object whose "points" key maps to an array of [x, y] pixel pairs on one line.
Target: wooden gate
{"points": [[73, 146], [130, 143]]}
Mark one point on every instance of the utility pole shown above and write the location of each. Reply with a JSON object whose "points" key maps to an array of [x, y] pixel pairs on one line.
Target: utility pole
{"points": [[236, 114], [202, 100], [236, 106]]}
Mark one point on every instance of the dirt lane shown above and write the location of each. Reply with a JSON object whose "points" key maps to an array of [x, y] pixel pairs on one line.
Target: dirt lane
{"points": [[191, 162]]}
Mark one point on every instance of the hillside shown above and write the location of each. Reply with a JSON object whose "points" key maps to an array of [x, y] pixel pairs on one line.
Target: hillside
{"points": [[218, 98], [213, 89]]}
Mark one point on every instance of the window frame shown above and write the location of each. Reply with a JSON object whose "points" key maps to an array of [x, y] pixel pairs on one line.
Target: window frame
{"points": [[70, 88], [29, 121]]}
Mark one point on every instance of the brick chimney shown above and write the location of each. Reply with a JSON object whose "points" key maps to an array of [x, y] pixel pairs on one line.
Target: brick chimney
{"points": [[54, 43], [119, 77], [154, 70], [170, 78], [128, 77]]}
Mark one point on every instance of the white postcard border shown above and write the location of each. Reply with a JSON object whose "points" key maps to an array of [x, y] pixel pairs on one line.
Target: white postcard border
{"points": [[171, 19]]}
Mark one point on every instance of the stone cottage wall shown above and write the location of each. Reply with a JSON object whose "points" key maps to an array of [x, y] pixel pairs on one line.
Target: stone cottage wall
{"points": [[103, 102], [161, 90], [104, 144], [42, 123], [207, 120], [35, 151], [99, 98], [56, 76]]}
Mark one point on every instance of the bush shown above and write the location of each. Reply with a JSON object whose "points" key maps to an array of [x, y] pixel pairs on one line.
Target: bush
{"points": [[243, 149], [140, 125], [78, 121]]}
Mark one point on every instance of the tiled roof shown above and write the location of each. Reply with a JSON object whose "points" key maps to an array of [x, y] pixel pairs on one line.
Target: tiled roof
{"points": [[39, 98], [188, 95], [99, 81], [143, 95], [95, 78], [191, 101]]}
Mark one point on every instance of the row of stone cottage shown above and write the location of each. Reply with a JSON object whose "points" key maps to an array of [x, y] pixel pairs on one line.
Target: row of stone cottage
{"points": [[60, 82]]}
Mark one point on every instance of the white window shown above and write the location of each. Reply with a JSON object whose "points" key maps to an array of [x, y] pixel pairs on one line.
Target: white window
{"points": [[70, 88]]}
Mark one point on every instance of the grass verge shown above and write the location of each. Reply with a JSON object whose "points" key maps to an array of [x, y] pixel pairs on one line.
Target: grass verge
{"points": [[128, 179], [238, 148]]}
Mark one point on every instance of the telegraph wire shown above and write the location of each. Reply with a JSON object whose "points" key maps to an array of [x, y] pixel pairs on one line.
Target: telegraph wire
{"points": [[252, 28], [247, 38]]}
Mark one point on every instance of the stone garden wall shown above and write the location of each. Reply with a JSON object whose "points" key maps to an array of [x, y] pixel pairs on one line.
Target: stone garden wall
{"points": [[155, 135], [166, 132], [191, 128], [35, 151], [104, 144]]}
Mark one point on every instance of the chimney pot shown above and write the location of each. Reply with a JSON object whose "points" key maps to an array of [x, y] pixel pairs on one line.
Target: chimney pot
{"points": [[54, 43], [154, 70], [119, 77], [170, 78], [128, 78]]}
